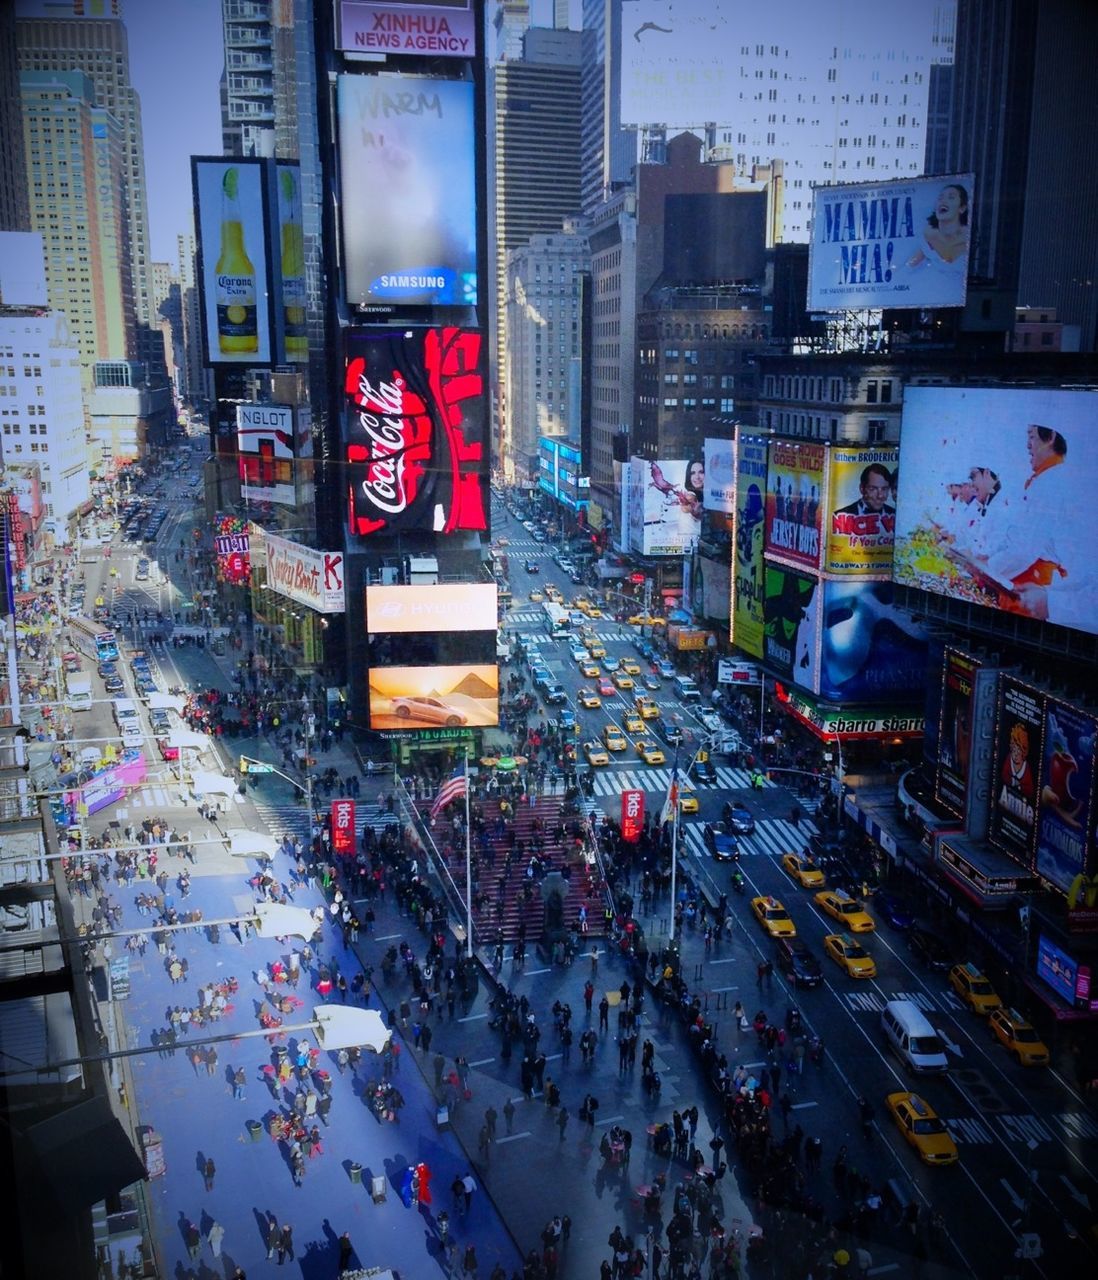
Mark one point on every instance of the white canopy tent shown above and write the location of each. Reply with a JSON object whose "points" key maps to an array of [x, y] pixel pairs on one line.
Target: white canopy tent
{"points": [[165, 702], [341, 1027], [187, 738], [252, 844], [207, 783]]}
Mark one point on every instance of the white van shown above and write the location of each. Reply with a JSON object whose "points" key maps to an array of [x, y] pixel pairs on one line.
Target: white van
{"points": [[912, 1038], [125, 709]]}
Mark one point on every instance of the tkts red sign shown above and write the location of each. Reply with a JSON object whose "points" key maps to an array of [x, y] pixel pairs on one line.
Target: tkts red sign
{"points": [[343, 828], [632, 815], [416, 430]]}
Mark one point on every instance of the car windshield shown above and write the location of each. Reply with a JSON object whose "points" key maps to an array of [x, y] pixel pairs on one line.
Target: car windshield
{"points": [[1026, 1035], [982, 988], [776, 913], [849, 908], [928, 1126], [856, 952], [926, 1044]]}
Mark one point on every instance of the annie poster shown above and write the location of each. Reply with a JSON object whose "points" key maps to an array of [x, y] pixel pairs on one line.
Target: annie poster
{"points": [[1017, 768]]}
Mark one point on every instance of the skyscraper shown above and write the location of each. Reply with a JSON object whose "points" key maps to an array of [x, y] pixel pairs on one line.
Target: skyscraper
{"points": [[607, 150], [56, 35], [14, 209]]}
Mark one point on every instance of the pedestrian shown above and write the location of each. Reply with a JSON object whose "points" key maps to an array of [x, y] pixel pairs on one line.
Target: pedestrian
{"points": [[208, 1171], [604, 1014], [286, 1244], [272, 1234], [508, 1114], [490, 1118], [193, 1238], [469, 1185], [346, 1252], [215, 1235], [562, 1121], [211, 1060], [469, 1263], [239, 1080]]}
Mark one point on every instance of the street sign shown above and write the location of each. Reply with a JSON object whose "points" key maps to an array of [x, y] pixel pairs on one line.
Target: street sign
{"points": [[254, 766]]}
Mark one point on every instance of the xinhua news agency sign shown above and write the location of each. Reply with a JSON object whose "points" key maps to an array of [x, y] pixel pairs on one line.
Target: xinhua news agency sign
{"points": [[312, 578], [343, 828], [632, 815]]}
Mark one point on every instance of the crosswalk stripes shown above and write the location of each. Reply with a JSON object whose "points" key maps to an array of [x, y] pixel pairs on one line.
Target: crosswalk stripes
{"points": [[543, 637], [151, 798], [772, 838], [611, 783]]}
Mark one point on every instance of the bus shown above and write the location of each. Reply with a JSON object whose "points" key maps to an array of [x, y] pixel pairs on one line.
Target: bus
{"points": [[559, 622], [92, 640]]}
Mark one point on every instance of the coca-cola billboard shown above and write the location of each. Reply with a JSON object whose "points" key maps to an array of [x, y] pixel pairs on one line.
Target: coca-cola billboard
{"points": [[416, 430], [632, 815]]}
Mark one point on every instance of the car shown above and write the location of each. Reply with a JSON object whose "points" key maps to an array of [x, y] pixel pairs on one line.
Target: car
{"points": [[590, 670], [167, 751], [647, 620], [624, 682], [159, 720], [104, 669], [975, 991], [652, 684], [773, 917], [589, 699], [536, 597], [801, 867], [688, 799], [432, 710], [611, 664], [553, 593], [114, 684], [922, 1128], [738, 817], [687, 689], [503, 542], [630, 666], [554, 693], [538, 536], [1013, 1032], [145, 685], [606, 687], [847, 910], [595, 753], [613, 739], [664, 668], [672, 735], [575, 577], [850, 955], [594, 612], [928, 948], [596, 649], [704, 771], [798, 964], [711, 721], [579, 654], [893, 910], [541, 673], [649, 752], [532, 566], [633, 723], [566, 721], [721, 842], [644, 648], [646, 706], [581, 603]]}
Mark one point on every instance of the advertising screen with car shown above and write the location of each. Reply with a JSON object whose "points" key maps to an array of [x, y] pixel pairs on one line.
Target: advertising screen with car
{"points": [[426, 697]]}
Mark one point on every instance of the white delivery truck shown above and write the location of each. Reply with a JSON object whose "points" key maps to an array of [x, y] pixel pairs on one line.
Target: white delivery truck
{"points": [[78, 692]]}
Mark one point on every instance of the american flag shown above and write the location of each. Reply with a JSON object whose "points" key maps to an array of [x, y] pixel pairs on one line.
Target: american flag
{"points": [[451, 789], [672, 801]]}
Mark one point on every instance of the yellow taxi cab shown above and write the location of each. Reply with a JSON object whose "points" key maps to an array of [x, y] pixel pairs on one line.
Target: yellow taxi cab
{"points": [[596, 648], [974, 989], [801, 867], [922, 1128], [590, 699], [623, 681], [590, 670], [850, 955], [648, 707], [688, 799], [630, 667], [633, 724], [647, 620], [847, 910], [1013, 1032], [536, 597], [581, 603], [649, 752], [554, 594], [773, 917], [595, 753], [613, 739], [594, 611]]}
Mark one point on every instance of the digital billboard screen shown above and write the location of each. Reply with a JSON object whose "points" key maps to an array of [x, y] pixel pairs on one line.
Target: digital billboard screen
{"points": [[997, 504], [870, 650], [291, 332], [232, 218], [666, 502], [408, 190], [890, 244], [955, 736], [1058, 970], [428, 697], [265, 453], [1018, 754], [450, 606], [791, 632], [440, 28], [862, 504], [720, 475], [795, 497], [747, 573], [416, 430], [1065, 816]]}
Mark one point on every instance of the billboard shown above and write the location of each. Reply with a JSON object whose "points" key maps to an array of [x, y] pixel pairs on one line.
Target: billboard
{"points": [[343, 828], [1062, 973], [890, 244], [438, 28], [632, 816], [955, 734], [232, 218], [467, 606], [795, 496], [1017, 766], [791, 634], [720, 475], [870, 650], [232, 549], [997, 505], [265, 453], [862, 504], [292, 330], [747, 575], [416, 430], [407, 159], [312, 578], [1065, 811], [429, 697], [666, 500], [22, 269]]}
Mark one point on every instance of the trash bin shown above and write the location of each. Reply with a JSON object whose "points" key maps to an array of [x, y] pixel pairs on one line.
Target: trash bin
{"points": [[356, 1173], [442, 1117], [255, 1130], [377, 1188]]}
